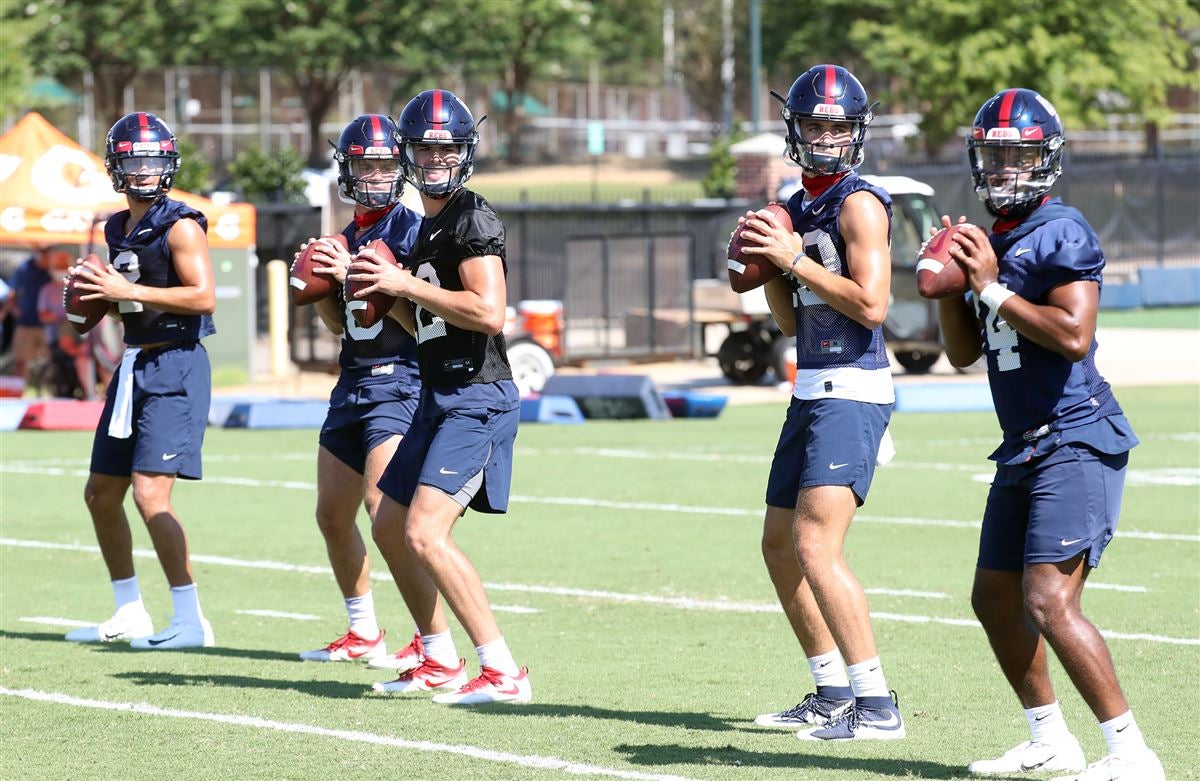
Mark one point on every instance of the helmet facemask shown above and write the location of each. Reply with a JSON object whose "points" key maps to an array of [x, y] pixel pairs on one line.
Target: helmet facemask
{"points": [[438, 167], [125, 169], [373, 181], [1012, 177], [844, 153]]}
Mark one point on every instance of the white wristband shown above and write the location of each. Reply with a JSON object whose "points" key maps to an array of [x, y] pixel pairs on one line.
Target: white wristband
{"points": [[994, 294]]}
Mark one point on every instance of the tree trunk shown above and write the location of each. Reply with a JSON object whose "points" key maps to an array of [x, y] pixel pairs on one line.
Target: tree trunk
{"points": [[319, 91]]}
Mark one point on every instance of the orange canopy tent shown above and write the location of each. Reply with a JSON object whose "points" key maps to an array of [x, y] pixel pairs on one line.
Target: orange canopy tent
{"points": [[53, 191]]}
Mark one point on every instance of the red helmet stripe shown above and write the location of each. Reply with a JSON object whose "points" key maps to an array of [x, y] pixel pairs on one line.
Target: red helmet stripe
{"points": [[376, 130], [144, 125], [1006, 104], [830, 83], [437, 107]]}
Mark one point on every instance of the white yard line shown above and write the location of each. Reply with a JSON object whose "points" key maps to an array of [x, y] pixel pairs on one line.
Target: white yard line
{"points": [[279, 614], [679, 603], [578, 501], [53, 621], [355, 736]]}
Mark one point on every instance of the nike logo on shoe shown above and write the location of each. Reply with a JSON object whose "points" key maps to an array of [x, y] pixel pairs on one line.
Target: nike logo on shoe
{"points": [[163, 640], [1070, 542], [118, 635], [514, 690], [891, 722], [1026, 768], [837, 466], [1022, 251], [432, 684], [445, 471]]}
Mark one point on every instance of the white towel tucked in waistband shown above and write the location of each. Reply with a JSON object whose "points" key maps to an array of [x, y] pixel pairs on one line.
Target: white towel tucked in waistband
{"points": [[120, 425]]}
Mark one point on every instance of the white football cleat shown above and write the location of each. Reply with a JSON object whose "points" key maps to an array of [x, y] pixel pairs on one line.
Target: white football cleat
{"points": [[490, 686], [125, 625], [350, 647], [177, 635], [407, 658], [1129, 766], [1030, 757], [428, 676]]}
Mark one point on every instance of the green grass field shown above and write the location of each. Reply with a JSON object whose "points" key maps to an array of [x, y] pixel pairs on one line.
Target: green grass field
{"points": [[628, 578]]}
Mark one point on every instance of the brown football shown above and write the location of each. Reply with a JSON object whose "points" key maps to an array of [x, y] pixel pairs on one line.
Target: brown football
{"points": [[370, 310], [938, 274], [306, 286], [84, 315], [748, 271]]}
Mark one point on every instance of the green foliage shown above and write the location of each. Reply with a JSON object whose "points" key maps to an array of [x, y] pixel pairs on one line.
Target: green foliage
{"points": [[948, 56], [263, 177], [721, 179], [195, 171], [16, 69]]}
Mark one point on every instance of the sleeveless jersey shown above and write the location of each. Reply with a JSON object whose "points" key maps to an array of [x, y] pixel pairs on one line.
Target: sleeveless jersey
{"points": [[144, 258], [385, 349], [826, 338], [466, 227], [1037, 391]]}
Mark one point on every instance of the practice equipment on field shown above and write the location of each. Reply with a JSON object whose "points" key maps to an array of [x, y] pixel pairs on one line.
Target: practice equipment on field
{"points": [[610, 396]]}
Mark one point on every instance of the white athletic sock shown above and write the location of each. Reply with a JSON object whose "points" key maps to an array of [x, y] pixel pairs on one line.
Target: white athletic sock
{"points": [[829, 669], [1046, 723], [497, 656], [126, 592], [866, 678], [440, 648], [1122, 735], [362, 616], [186, 601]]}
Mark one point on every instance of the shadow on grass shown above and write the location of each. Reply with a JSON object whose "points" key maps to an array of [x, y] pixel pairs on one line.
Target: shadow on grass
{"points": [[120, 648], [802, 758], [338, 690], [687, 719]]}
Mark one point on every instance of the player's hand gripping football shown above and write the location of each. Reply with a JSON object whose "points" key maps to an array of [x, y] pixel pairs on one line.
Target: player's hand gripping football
{"points": [[102, 282], [973, 250], [379, 275], [331, 257], [774, 241]]}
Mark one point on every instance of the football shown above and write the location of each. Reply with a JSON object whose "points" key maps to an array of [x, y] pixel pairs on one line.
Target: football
{"points": [[84, 315], [306, 286], [747, 272], [370, 310], [939, 275]]}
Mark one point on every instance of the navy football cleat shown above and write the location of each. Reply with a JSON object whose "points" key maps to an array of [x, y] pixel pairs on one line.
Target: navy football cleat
{"points": [[869, 718], [816, 709]]}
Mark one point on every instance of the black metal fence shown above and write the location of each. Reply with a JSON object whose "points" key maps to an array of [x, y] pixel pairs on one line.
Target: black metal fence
{"points": [[1145, 210]]}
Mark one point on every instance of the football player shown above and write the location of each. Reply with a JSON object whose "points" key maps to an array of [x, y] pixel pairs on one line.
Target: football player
{"points": [[160, 281], [1053, 505], [373, 402], [458, 452], [833, 297]]}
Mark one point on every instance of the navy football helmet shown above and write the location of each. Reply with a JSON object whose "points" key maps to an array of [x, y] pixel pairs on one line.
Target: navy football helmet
{"points": [[827, 93], [437, 117], [141, 145], [1015, 147], [368, 161]]}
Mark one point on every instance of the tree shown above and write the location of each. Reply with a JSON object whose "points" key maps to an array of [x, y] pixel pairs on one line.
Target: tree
{"points": [[110, 40], [315, 44], [1088, 58]]}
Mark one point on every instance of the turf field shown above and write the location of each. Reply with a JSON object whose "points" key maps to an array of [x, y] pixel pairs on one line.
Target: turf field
{"points": [[628, 578]]}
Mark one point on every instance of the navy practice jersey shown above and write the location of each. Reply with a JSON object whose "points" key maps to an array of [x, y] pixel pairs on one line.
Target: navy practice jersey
{"points": [[466, 227], [371, 350], [144, 258], [1037, 391], [826, 338]]}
